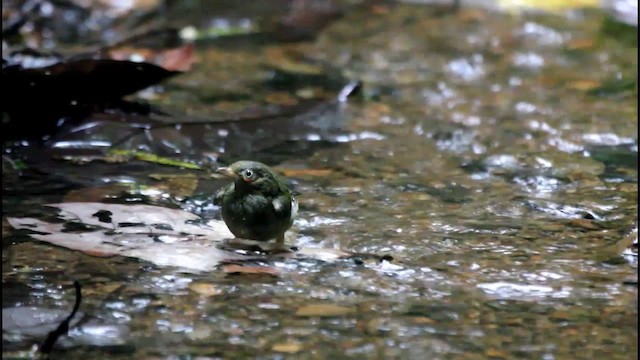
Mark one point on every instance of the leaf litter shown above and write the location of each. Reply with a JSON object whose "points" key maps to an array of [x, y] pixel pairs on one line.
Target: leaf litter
{"points": [[162, 236]]}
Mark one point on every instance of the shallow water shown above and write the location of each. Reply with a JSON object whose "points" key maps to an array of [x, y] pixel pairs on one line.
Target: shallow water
{"points": [[492, 156]]}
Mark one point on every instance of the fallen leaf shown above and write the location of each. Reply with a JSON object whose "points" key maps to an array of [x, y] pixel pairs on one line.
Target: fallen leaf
{"points": [[289, 61], [257, 270], [379, 9], [468, 15], [514, 322], [180, 59], [281, 98], [422, 320], [373, 326], [289, 348], [323, 310], [205, 289], [165, 237], [494, 353], [80, 81], [560, 315], [304, 172], [584, 85], [97, 253], [585, 224], [162, 236], [143, 156], [101, 290], [579, 44]]}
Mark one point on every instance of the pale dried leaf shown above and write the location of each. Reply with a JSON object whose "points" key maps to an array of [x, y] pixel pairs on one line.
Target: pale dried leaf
{"points": [[153, 219], [165, 237]]}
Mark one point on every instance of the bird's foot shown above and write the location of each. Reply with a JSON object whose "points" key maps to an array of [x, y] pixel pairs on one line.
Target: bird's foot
{"points": [[279, 247], [258, 246]]}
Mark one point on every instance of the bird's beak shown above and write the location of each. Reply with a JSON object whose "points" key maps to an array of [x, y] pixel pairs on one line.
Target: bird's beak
{"points": [[227, 171]]}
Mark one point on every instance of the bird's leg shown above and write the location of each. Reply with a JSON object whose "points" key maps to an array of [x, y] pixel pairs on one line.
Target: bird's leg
{"points": [[280, 241], [245, 244], [278, 246]]}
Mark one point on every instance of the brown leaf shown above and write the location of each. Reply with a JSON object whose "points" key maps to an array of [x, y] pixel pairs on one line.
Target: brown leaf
{"points": [[560, 315], [305, 172], [585, 224], [98, 253], [494, 353], [422, 320], [379, 9], [241, 269], [281, 98], [177, 59], [289, 348], [579, 44], [584, 85], [180, 59], [323, 310], [470, 15], [290, 61]]}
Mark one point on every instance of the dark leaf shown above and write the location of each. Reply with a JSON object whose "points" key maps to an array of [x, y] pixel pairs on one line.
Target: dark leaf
{"points": [[80, 81]]}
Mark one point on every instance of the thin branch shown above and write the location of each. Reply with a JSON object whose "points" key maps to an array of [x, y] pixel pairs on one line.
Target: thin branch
{"points": [[63, 328]]}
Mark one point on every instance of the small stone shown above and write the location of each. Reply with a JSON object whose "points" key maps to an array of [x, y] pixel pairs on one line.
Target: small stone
{"points": [[205, 289]]}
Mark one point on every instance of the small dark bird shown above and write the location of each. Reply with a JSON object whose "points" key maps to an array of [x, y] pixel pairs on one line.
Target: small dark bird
{"points": [[257, 205]]}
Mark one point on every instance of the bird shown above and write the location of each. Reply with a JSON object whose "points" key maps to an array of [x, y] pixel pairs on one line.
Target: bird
{"points": [[257, 205]]}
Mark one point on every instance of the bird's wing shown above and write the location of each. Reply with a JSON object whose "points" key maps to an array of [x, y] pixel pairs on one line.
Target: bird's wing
{"points": [[285, 204], [294, 207], [217, 199]]}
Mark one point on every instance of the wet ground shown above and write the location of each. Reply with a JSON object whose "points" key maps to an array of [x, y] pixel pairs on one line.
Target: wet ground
{"points": [[492, 156]]}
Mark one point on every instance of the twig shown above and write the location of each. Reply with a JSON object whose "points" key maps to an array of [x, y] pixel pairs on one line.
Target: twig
{"points": [[63, 328]]}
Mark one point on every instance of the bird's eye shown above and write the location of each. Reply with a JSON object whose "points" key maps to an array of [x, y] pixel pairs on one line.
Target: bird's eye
{"points": [[248, 174]]}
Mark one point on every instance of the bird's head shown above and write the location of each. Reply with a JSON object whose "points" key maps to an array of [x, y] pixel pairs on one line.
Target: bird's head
{"points": [[252, 176]]}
